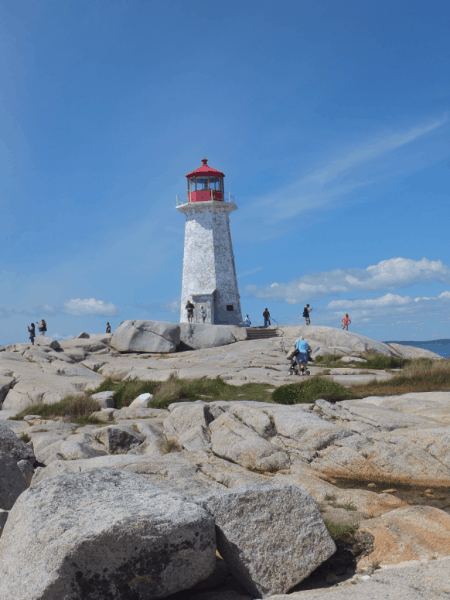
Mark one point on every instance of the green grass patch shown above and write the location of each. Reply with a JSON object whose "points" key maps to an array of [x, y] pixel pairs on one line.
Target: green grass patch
{"points": [[311, 390], [373, 361], [25, 438], [74, 409], [337, 530], [184, 390]]}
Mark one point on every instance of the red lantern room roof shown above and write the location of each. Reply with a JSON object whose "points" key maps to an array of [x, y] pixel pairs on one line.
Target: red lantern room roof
{"points": [[205, 171]]}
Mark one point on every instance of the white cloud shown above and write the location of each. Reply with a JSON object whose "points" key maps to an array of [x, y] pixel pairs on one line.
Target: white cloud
{"points": [[250, 272], [90, 307], [387, 274], [59, 337]]}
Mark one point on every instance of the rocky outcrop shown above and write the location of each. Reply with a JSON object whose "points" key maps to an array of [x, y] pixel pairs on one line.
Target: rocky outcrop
{"points": [[12, 481], [270, 537], [146, 336], [10, 443], [196, 336], [61, 540]]}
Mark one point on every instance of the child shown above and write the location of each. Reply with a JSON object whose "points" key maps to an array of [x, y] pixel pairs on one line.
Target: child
{"points": [[203, 313]]}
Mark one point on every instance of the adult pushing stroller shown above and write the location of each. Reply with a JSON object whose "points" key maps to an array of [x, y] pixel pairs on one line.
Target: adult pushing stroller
{"points": [[299, 356]]}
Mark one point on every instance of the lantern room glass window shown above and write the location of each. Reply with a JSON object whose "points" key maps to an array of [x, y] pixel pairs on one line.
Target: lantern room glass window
{"points": [[205, 183]]}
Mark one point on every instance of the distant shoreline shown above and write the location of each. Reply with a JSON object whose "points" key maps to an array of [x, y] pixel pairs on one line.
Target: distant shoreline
{"points": [[441, 347]]}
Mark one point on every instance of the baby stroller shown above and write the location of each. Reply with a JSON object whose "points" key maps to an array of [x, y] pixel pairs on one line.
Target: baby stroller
{"points": [[293, 366]]}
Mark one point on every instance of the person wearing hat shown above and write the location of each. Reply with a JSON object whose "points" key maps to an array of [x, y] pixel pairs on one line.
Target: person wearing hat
{"points": [[203, 313]]}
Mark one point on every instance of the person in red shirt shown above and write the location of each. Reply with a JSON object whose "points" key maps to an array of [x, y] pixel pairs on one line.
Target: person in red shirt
{"points": [[345, 322]]}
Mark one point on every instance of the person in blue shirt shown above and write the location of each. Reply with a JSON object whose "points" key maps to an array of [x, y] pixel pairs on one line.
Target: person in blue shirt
{"points": [[203, 314], [247, 321], [302, 357]]}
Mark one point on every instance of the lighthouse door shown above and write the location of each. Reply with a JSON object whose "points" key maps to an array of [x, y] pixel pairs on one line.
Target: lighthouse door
{"points": [[207, 302]]}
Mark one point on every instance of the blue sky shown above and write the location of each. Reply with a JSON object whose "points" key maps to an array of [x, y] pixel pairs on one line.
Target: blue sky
{"points": [[330, 121]]}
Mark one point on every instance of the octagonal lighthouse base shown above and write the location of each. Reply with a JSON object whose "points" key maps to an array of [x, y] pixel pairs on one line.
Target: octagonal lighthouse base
{"points": [[209, 272]]}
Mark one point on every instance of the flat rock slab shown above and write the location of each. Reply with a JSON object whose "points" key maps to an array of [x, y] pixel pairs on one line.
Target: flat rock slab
{"points": [[271, 537], [411, 533], [414, 581], [103, 533]]}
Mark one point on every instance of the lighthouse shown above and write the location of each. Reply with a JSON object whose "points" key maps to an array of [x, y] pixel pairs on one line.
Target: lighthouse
{"points": [[209, 272]]}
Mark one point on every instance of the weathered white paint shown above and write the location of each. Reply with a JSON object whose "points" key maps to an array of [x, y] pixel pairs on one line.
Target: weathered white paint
{"points": [[209, 272]]}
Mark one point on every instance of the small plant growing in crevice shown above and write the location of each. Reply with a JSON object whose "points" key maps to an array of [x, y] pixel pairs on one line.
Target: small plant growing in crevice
{"points": [[169, 446], [375, 565], [25, 438], [330, 497]]}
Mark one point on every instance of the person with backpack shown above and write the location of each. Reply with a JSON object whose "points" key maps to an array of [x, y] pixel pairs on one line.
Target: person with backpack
{"points": [[42, 326], [266, 315], [32, 331], [108, 328], [306, 312], [345, 322]]}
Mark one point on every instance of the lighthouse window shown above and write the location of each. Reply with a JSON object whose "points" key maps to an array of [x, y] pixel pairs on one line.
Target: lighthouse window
{"points": [[230, 307], [202, 183]]}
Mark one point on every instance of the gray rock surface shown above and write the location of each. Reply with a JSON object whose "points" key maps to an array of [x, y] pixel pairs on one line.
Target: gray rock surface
{"points": [[118, 439], [271, 537], [27, 471], [12, 444], [12, 482], [60, 541], [412, 581], [194, 336], [105, 399], [43, 340], [146, 336]]}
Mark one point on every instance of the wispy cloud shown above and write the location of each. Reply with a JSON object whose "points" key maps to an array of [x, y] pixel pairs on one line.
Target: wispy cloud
{"points": [[168, 307], [386, 275], [250, 272], [90, 307], [335, 183]]}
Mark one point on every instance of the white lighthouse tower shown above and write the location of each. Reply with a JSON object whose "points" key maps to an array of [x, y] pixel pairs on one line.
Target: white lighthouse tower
{"points": [[209, 273]]}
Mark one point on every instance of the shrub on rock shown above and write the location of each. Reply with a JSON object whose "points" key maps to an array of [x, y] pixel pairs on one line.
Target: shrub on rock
{"points": [[311, 390]]}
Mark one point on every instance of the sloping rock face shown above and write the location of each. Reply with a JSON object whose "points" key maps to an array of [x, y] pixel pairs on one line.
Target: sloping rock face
{"points": [[146, 336], [60, 540], [195, 336], [327, 340], [270, 537]]}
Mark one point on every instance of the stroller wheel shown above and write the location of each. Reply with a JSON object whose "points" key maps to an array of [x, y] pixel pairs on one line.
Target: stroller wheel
{"points": [[307, 372]]}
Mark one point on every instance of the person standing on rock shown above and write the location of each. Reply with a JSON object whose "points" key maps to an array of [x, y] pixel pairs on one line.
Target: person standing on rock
{"points": [[32, 330], [190, 311], [306, 312], [266, 315], [345, 322], [247, 321], [42, 326], [108, 328], [203, 314]]}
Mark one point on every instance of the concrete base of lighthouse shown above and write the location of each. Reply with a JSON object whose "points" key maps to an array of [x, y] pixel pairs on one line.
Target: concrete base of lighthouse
{"points": [[209, 272]]}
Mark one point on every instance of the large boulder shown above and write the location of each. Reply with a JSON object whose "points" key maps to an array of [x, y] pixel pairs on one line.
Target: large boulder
{"points": [[271, 537], [103, 533], [9, 442], [195, 336], [12, 481], [146, 336]]}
